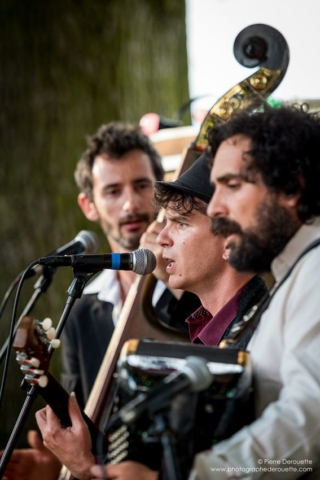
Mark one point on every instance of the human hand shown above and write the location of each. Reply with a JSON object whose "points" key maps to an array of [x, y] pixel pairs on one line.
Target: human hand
{"points": [[35, 463], [72, 445], [148, 240], [124, 471]]}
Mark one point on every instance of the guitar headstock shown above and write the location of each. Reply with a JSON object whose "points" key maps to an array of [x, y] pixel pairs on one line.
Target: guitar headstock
{"points": [[32, 341]]}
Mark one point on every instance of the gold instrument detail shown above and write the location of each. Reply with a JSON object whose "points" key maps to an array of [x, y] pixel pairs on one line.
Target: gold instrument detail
{"points": [[257, 45]]}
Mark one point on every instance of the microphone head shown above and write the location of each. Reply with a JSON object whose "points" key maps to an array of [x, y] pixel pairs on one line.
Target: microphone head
{"points": [[197, 371], [143, 261], [89, 240]]}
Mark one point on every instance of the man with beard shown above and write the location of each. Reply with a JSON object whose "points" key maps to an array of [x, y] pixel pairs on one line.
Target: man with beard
{"points": [[225, 294], [115, 177], [266, 169]]}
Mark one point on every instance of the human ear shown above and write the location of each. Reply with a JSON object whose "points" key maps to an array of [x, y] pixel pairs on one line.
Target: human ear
{"points": [[226, 252], [88, 207], [289, 201]]}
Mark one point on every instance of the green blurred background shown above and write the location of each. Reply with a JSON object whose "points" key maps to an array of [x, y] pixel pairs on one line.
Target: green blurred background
{"points": [[66, 68]]}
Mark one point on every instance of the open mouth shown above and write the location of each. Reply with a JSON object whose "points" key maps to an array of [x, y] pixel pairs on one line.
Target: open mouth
{"points": [[171, 265]]}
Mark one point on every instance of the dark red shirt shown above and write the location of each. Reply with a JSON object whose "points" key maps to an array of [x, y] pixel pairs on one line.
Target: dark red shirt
{"points": [[209, 330]]}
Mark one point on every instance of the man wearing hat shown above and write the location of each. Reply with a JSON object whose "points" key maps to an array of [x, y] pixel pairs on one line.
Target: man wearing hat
{"points": [[196, 257], [196, 262]]}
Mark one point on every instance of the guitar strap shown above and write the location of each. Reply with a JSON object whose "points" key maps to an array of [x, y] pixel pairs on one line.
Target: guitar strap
{"points": [[244, 329]]}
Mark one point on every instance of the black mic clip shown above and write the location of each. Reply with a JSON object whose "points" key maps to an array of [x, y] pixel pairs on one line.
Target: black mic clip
{"points": [[78, 283], [43, 282]]}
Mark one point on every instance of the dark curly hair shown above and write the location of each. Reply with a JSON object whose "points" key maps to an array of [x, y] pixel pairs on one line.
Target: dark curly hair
{"points": [[115, 139], [284, 149], [183, 202]]}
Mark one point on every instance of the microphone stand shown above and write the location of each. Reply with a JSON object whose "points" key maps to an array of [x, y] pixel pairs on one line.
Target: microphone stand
{"points": [[75, 291], [170, 463]]}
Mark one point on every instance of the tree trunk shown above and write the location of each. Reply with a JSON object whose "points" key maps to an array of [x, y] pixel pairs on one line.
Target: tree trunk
{"points": [[66, 68]]}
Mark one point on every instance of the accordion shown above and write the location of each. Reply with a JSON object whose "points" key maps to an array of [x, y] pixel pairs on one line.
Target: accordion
{"points": [[197, 420]]}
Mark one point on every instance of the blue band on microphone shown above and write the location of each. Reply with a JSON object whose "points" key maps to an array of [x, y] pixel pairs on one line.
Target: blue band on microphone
{"points": [[115, 265]]}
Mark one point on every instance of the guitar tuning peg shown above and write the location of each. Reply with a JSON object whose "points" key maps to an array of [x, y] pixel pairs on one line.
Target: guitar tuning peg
{"points": [[35, 362], [55, 343], [33, 371], [21, 357], [43, 381], [24, 368], [51, 333], [30, 378], [46, 324]]}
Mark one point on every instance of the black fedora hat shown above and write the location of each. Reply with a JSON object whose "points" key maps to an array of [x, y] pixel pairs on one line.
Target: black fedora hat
{"points": [[195, 181]]}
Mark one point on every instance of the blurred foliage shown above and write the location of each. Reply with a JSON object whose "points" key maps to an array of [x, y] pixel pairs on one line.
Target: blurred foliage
{"points": [[66, 68]]}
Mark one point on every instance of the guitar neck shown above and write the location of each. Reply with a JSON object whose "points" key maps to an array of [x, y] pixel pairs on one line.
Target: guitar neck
{"points": [[57, 398]]}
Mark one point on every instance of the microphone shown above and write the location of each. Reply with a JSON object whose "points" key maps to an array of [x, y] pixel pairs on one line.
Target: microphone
{"points": [[193, 376], [141, 261], [85, 242]]}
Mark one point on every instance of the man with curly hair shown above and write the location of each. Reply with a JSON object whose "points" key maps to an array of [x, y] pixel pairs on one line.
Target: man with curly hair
{"points": [[266, 170]]}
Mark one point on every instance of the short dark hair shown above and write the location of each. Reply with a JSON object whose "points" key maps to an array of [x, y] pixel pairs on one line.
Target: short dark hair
{"points": [[191, 190], [184, 202], [115, 139], [284, 149]]}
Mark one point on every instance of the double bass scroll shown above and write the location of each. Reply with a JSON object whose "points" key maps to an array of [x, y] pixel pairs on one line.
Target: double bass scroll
{"points": [[256, 45]]}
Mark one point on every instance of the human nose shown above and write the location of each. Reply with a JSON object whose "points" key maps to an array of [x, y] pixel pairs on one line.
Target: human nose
{"points": [[131, 202], [216, 206], [163, 239]]}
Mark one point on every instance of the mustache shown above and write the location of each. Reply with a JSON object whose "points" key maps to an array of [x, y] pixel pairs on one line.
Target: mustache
{"points": [[224, 227], [139, 217]]}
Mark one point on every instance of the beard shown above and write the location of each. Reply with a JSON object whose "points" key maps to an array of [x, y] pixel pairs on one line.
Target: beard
{"points": [[131, 241], [257, 247]]}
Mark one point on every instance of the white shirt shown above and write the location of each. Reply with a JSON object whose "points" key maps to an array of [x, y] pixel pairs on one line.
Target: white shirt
{"points": [[107, 288], [285, 352]]}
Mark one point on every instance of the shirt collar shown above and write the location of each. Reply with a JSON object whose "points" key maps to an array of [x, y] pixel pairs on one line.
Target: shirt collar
{"points": [[300, 240], [208, 329], [106, 286]]}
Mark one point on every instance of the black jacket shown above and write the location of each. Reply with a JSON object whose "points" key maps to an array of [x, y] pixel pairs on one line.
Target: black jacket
{"points": [[88, 332]]}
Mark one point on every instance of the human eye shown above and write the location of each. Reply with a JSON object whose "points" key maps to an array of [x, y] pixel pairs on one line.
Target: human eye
{"points": [[112, 192], [233, 184], [144, 186], [182, 224]]}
